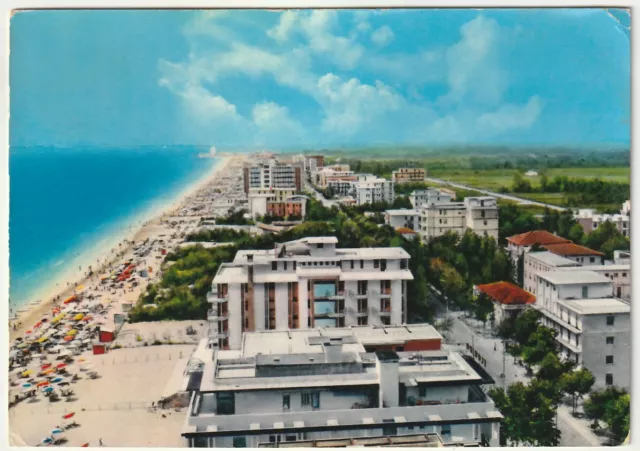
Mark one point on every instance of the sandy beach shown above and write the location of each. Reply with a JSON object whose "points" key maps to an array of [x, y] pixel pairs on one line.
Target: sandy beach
{"points": [[150, 229]]}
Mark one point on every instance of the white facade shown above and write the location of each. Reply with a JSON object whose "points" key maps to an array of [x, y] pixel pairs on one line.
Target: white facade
{"points": [[402, 218], [537, 262], [421, 198], [307, 283], [479, 214], [370, 189], [590, 220], [318, 385], [593, 328]]}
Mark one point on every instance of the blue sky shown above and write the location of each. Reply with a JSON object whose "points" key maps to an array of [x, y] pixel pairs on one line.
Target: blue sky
{"points": [[324, 78]]}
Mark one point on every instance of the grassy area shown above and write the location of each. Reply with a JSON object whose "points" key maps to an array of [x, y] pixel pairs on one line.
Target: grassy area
{"points": [[493, 179]]}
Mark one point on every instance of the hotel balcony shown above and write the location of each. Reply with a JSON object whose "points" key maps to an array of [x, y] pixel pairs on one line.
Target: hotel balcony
{"points": [[337, 297], [217, 334], [213, 298], [385, 294], [213, 315], [385, 312], [361, 295]]}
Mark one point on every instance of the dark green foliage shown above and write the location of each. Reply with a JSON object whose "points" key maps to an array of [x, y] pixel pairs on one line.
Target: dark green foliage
{"points": [[606, 239], [577, 384], [235, 218], [612, 406]]}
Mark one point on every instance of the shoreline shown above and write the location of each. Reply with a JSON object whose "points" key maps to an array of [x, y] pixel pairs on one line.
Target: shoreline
{"points": [[32, 312]]}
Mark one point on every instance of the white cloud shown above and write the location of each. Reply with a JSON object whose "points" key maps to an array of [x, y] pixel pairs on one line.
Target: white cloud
{"points": [[382, 36], [275, 126], [351, 104], [286, 25], [511, 117]]}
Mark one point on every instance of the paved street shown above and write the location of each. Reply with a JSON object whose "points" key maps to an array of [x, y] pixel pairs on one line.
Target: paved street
{"points": [[575, 432], [519, 200], [326, 202]]}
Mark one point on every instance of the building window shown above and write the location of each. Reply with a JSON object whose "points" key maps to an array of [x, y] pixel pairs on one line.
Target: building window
{"points": [[274, 266], [624, 274], [376, 264], [585, 292], [290, 438], [385, 320], [352, 263], [592, 259], [285, 266], [362, 321], [286, 402], [445, 429], [226, 403], [294, 266], [361, 264], [608, 379], [239, 442], [403, 263], [201, 442], [315, 400], [610, 320], [422, 390], [609, 360], [609, 340]]}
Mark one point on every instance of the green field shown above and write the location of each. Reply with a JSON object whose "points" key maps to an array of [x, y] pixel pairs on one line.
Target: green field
{"points": [[493, 179]]}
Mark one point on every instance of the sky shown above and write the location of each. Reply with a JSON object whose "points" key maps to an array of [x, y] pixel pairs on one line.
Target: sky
{"points": [[320, 78]]}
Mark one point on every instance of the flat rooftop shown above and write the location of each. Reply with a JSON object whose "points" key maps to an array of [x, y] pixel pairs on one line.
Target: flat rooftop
{"points": [[573, 277], [597, 306], [551, 259], [402, 212]]}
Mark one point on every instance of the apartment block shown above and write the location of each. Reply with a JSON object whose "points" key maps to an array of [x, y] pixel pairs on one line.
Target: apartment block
{"points": [[313, 162], [369, 189], [402, 217], [589, 219], [580, 254], [479, 214], [283, 387], [409, 175], [618, 273], [304, 284], [521, 243], [424, 197], [594, 329], [272, 176]]}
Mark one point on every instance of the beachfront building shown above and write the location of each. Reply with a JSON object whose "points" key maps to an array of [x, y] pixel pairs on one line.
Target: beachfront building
{"points": [[304, 284], [293, 206], [313, 163], [479, 214], [323, 177], [593, 327], [619, 272], [521, 243], [409, 175], [508, 299], [271, 176], [305, 385], [424, 197], [577, 253], [370, 189], [402, 217]]}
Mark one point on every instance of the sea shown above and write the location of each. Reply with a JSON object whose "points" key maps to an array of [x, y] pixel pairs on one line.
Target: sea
{"points": [[66, 205]]}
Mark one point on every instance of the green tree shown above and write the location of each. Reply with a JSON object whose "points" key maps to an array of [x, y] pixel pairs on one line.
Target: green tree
{"points": [[526, 324], [606, 238], [576, 233], [482, 308], [612, 406], [577, 383], [551, 368], [520, 270], [540, 344]]}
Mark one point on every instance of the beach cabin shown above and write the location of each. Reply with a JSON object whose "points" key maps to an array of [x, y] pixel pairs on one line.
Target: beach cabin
{"points": [[106, 335]]}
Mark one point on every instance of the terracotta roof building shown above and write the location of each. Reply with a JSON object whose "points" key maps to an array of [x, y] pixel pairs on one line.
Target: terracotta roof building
{"points": [[521, 243], [577, 253], [508, 299]]}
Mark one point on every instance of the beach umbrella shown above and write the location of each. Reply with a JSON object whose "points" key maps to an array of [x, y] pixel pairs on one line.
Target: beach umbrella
{"points": [[72, 332], [61, 365], [68, 338], [68, 415], [78, 317], [28, 332], [21, 346], [47, 389], [84, 445], [45, 366], [49, 371], [42, 339], [57, 380], [27, 385], [27, 373], [47, 440], [43, 384], [57, 431]]}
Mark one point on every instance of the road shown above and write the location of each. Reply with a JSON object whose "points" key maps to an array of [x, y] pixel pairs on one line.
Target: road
{"points": [[326, 202], [520, 200], [574, 432]]}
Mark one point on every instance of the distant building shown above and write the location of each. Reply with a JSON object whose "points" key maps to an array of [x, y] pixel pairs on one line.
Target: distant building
{"points": [[590, 220], [261, 202], [409, 175], [508, 299], [518, 244], [272, 176], [531, 173], [594, 329], [537, 262], [305, 284], [370, 189], [577, 253], [407, 233], [282, 387], [479, 214], [421, 198], [313, 162], [403, 217]]}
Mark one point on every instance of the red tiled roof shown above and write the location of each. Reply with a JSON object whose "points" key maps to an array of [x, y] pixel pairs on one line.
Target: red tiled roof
{"points": [[541, 237], [507, 293], [571, 249], [405, 230]]}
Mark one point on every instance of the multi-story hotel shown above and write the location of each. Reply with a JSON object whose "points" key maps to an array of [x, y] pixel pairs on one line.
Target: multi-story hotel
{"points": [[619, 273], [370, 188], [523, 242], [594, 329], [402, 217], [305, 284], [479, 214], [424, 197], [270, 176], [313, 162], [409, 175], [304, 385]]}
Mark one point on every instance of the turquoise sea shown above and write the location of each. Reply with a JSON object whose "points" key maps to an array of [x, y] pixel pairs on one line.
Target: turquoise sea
{"points": [[67, 204]]}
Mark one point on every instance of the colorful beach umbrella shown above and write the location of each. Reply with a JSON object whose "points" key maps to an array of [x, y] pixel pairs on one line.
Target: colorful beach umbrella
{"points": [[42, 339], [28, 332], [72, 332], [68, 338], [27, 373], [84, 445], [43, 384], [27, 385], [49, 371], [68, 415], [47, 389], [61, 365], [57, 431], [57, 380], [78, 317], [47, 440], [45, 366]]}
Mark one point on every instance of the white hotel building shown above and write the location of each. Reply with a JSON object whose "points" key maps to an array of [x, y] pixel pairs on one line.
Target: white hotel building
{"points": [[479, 214], [308, 283], [594, 329], [301, 385]]}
